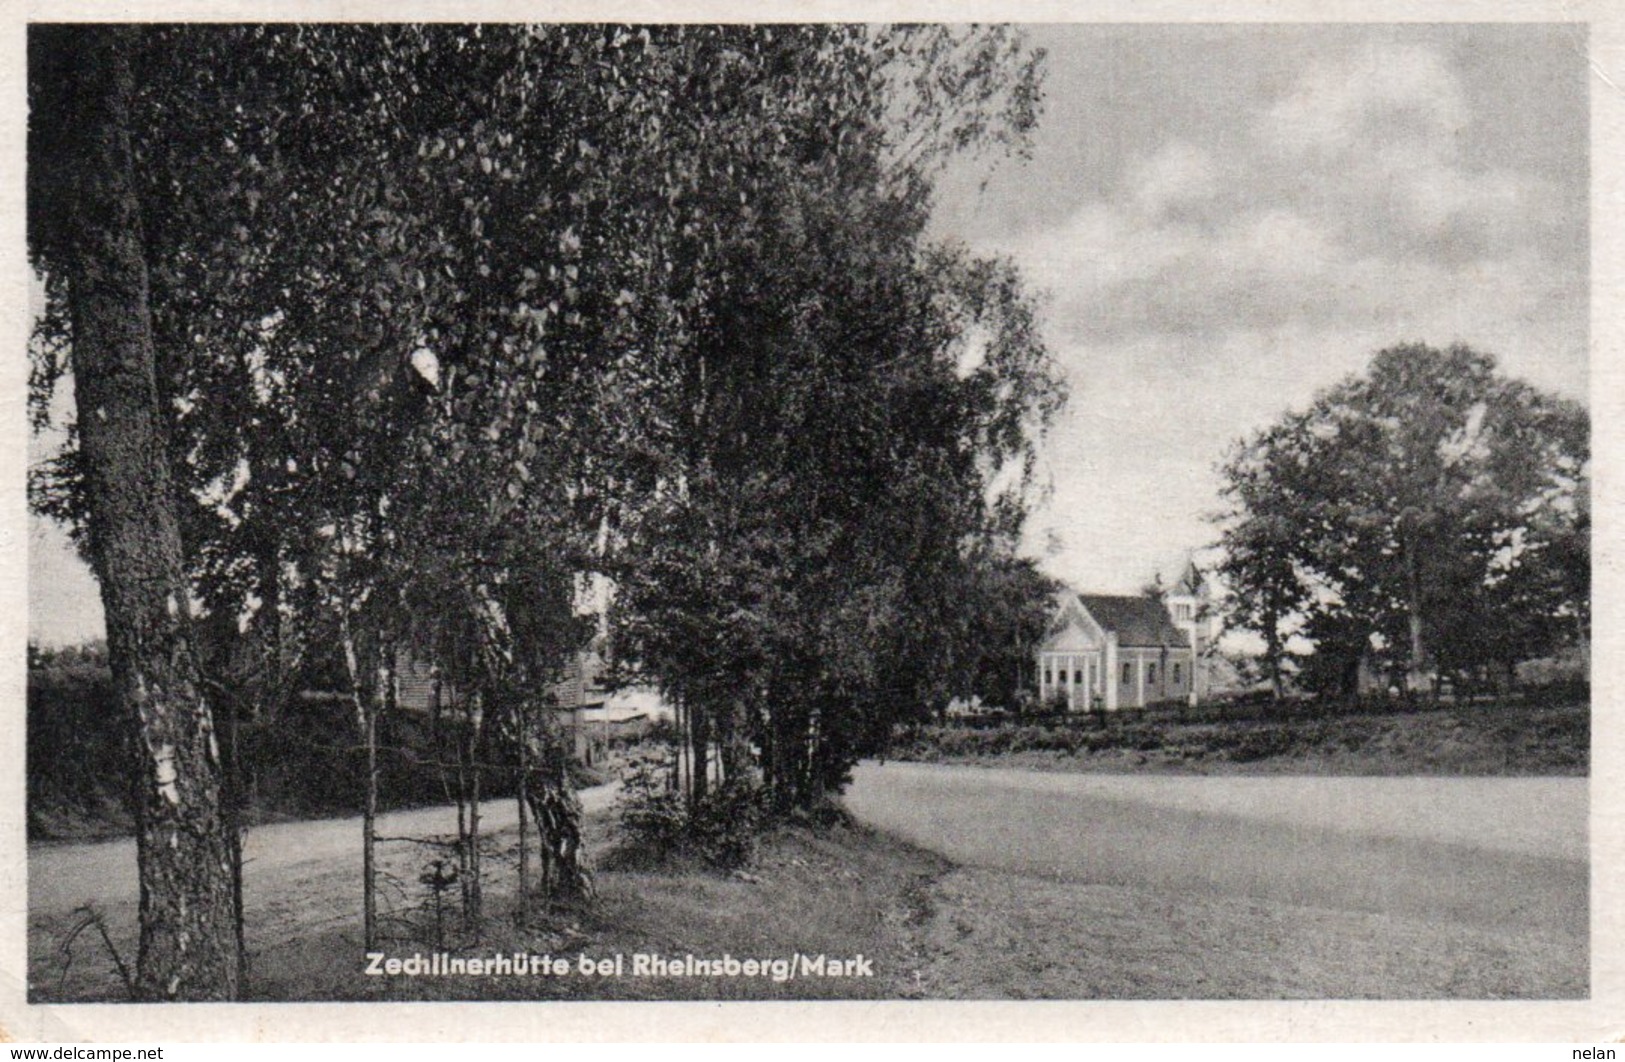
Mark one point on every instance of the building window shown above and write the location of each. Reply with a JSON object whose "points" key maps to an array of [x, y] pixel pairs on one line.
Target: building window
{"points": [[1128, 672], [1176, 674], [1077, 677], [1049, 677], [1182, 613], [1151, 674]]}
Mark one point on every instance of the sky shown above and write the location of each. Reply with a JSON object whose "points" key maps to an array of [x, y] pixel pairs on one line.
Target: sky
{"points": [[1226, 219], [1222, 220]]}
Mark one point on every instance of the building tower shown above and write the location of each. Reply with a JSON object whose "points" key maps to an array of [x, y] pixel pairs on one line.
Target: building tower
{"points": [[1188, 605]]}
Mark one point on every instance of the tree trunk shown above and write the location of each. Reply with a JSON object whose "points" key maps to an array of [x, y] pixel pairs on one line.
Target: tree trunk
{"points": [[472, 895], [188, 943], [1413, 603], [268, 706], [681, 775], [735, 752], [365, 705], [699, 732], [369, 838], [557, 811], [232, 798], [459, 748], [523, 798], [1272, 652]]}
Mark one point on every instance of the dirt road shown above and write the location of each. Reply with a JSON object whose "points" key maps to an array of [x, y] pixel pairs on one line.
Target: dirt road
{"points": [[298, 878], [1388, 887], [61, 877]]}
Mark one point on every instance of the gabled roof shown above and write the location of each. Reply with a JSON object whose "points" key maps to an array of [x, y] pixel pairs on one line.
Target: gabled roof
{"points": [[1141, 621]]}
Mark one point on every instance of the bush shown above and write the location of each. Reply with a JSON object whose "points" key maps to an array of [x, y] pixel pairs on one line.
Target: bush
{"points": [[78, 747], [720, 828], [1260, 743], [1508, 736], [650, 810]]}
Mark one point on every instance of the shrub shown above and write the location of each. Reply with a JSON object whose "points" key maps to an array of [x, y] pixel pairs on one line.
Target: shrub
{"points": [[1261, 743], [723, 827], [78, 745], [720, 828]]}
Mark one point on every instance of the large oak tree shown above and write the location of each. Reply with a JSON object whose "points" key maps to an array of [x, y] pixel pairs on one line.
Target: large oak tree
{"points": [[1430, 514]]}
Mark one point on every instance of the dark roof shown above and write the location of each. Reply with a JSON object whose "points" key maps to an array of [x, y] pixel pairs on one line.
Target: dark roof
{"points": [[577, 685], [1136, 620]]}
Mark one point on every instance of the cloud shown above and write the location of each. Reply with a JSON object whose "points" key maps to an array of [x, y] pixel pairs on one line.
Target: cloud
{"points": [[1176, 177], [1343, 205], [1227, 220], [1231, 274], [1384, 92], [1132, 465]]}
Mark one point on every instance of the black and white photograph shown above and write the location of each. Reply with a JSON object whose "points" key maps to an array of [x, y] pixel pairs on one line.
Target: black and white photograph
{"points": [[716, 510]]}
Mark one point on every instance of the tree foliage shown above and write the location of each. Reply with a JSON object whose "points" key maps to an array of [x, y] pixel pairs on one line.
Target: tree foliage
{"points": [[834, 415], [1431, 515], [445, 317]]}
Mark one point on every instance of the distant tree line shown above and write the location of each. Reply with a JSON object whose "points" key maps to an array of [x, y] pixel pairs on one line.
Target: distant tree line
{"points": [[303, 760], [1428, 520], [383, 338]]}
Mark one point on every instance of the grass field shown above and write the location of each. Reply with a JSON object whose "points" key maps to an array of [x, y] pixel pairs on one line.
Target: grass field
{"points": [[1480, 739], [1010, 936], [840, 893]]}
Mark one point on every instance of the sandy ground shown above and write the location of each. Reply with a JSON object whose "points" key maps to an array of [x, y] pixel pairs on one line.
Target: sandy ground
{"points": [[1090, 886], [1011, 936], [299, 879]]}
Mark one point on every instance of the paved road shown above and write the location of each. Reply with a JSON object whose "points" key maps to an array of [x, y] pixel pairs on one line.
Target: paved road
{"points": [[61, 877], [1493, 853]]}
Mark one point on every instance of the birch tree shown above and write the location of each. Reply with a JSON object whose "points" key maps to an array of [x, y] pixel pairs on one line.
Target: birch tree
{"points": [[89, 235]]}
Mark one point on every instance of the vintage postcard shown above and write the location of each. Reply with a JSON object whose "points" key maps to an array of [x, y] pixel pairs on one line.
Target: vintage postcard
{"points": [[1080, 505]]}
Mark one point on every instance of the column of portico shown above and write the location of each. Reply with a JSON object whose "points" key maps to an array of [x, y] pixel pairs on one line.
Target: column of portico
{"points": [[1110, 677], [1196, 651]]}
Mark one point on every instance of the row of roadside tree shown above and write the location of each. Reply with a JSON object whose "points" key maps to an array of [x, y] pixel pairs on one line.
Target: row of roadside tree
{"points": [[383, 338]]}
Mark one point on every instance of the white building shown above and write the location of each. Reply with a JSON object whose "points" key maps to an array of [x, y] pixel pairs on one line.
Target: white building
{"points": [[1105, 652]]}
